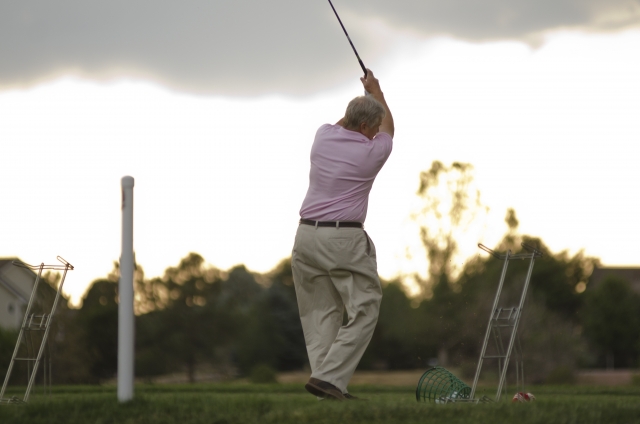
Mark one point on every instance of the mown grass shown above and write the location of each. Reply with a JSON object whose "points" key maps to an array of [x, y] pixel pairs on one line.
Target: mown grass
{"points": [[284, 403]]}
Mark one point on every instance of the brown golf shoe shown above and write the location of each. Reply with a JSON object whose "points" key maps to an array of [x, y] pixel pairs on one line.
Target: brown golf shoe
{"points": [[323, 389], [349, 396]]}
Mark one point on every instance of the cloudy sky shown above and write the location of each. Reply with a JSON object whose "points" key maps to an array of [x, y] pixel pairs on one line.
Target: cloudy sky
{"points": [[212, 105]]}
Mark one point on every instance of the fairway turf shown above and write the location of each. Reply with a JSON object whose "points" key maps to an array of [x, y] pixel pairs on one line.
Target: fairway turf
{"points": [[287, 403]]}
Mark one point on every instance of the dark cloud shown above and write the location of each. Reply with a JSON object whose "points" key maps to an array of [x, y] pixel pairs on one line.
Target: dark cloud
{"points": [[481, 20], [247, 47]]}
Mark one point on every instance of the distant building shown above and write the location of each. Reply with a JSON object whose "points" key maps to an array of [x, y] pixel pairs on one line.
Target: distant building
{"points": [[630, 274], [16, 285]]}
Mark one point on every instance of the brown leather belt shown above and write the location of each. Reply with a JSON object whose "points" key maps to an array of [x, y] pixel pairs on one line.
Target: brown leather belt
{"points": [[336, 224]]}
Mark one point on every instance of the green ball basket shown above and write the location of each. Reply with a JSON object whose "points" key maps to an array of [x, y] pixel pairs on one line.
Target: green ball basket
{"points": [[440, 386]]}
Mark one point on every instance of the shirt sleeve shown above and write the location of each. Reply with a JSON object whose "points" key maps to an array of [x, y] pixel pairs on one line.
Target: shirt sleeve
{"points": [[384, 141], [323, 128]]}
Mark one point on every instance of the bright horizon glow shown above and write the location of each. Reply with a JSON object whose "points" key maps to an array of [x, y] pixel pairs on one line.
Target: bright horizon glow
{"points": [[551, 132]]}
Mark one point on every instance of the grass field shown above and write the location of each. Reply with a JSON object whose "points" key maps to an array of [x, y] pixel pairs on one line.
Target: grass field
{"points": [[288, 403]]}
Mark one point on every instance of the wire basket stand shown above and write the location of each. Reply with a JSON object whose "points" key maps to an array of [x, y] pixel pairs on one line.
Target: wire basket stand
{"points": [[35, 323], [506, 320], [441, 386]]}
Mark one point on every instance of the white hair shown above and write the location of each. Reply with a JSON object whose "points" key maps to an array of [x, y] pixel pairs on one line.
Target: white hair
{"points": [[363, 109]]}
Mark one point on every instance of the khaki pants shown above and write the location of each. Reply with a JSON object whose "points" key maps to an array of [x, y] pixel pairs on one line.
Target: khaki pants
{"points": [[334, 269]]}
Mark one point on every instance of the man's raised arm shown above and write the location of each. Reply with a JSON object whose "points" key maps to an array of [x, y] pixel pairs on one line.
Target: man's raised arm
{"points": [[372, 86]]}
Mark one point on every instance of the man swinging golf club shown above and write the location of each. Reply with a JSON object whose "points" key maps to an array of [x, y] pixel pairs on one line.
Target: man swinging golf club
{"points": [[333, 259]]}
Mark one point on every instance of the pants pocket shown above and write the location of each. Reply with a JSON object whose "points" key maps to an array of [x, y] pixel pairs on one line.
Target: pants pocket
{"points": [[371, 248]]}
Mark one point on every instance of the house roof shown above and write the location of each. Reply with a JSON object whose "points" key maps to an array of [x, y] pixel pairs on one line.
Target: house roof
{"points": [[4, 261], [7, 284], [631, 274]]}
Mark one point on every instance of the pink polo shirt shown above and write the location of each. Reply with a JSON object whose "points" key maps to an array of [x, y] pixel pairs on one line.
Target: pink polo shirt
{"points": [[344, 164]]}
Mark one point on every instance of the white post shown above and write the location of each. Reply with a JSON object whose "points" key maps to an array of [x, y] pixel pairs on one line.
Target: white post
{"points": [[125, 290]]}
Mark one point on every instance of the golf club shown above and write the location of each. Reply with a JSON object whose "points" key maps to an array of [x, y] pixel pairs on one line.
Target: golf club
{"points": [[350, 42]]}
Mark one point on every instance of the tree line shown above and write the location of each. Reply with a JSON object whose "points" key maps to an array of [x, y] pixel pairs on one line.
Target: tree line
{"points": [[198, 320]]}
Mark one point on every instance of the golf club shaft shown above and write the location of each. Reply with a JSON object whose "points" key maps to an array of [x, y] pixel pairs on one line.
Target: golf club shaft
{"points": [[364, 69]]}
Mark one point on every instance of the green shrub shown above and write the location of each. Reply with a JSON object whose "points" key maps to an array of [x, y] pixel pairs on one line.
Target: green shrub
{"points": [[8, 340], [261, 374], [561, 375]]}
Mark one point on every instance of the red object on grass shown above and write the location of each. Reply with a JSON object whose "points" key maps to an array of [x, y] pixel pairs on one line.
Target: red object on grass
{"points": [[523, 397]]}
